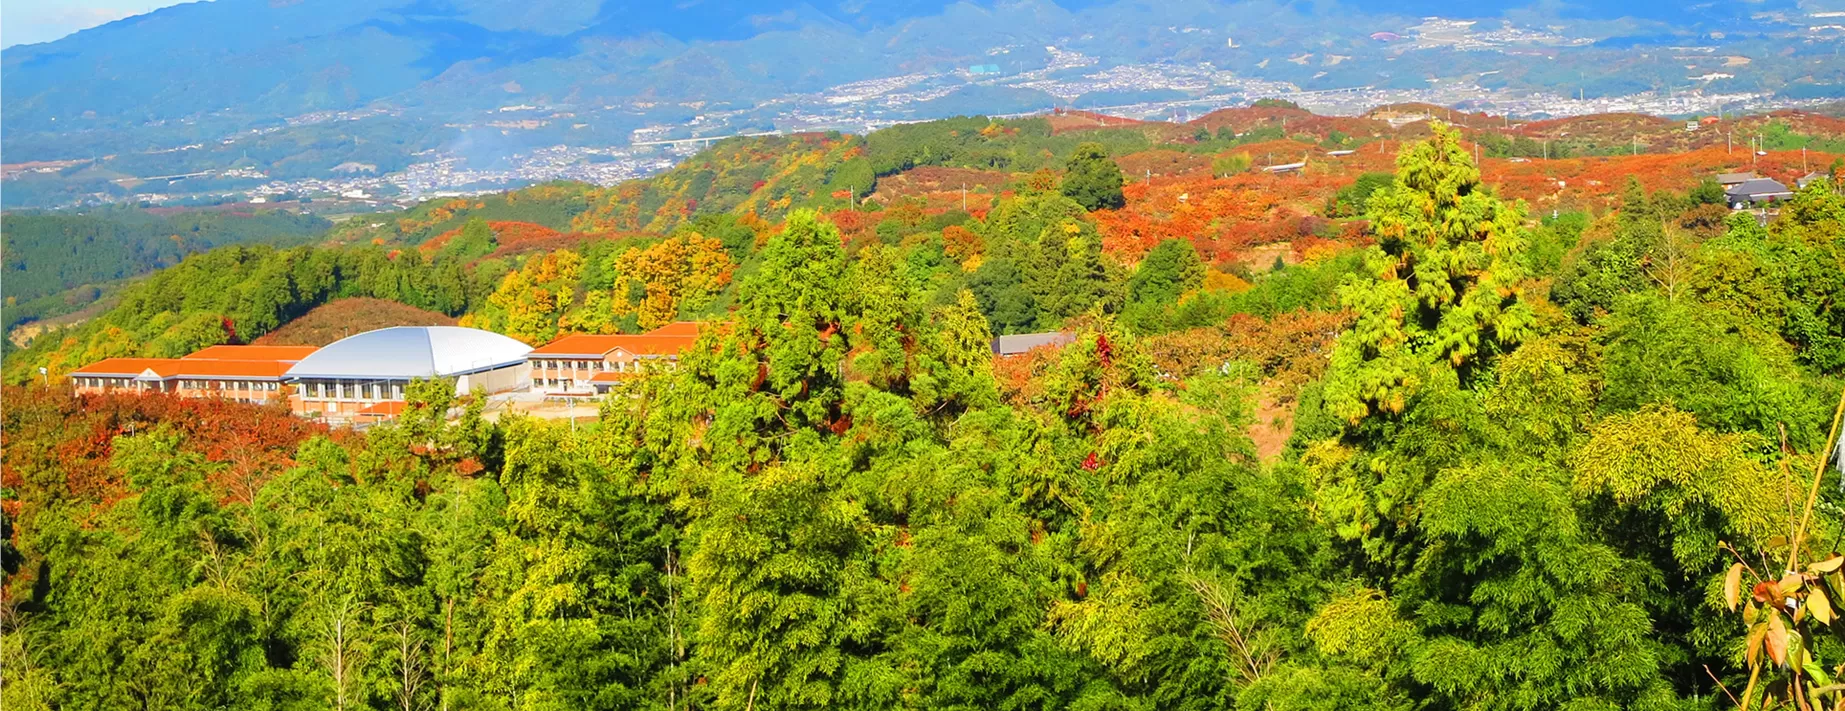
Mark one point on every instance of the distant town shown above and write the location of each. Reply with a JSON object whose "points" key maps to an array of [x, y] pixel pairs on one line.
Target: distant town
{"points": [[867, 105]]}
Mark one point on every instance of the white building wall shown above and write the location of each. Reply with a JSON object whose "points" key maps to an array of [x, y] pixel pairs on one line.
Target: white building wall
{"points": [[500, 380]]}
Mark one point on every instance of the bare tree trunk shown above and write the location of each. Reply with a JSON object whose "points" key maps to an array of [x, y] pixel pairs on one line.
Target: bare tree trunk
{"points": [[448, 646], [411, 674], [341, 660], [672, 629], [1252, 652]]}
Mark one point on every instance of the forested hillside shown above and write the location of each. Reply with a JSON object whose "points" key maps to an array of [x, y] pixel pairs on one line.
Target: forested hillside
{"points": [[48, 254], [1562, 463]]}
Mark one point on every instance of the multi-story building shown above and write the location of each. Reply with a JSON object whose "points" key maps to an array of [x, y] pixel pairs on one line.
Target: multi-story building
{"points": [[589, 364], [248, 373], [357, 378]]}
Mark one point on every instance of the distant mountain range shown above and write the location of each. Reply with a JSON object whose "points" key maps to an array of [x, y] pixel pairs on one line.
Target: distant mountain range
{"points": [[198, 73]]}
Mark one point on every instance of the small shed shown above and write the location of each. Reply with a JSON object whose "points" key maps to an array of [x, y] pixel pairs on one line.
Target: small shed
{"points": [[1022, 343]]}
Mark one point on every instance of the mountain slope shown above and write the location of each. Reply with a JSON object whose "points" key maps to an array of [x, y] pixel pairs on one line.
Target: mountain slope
{"points": [[270, 59]]}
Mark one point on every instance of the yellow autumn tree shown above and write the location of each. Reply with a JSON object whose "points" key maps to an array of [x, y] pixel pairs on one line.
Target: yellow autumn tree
{"points": [[678, 273], [530, 302]]}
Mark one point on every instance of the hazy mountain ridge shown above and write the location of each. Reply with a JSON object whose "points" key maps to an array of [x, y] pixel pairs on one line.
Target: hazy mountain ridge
{"points": [[274, 59], [355, 82]]}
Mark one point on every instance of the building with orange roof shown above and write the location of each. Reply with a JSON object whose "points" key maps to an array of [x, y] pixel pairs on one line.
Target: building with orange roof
{"points": [[677, 328], [360, 378], [246, 380], [587, 364]]}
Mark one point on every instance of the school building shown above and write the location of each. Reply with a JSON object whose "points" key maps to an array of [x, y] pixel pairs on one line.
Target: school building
{"points": [[362, 378], [583, 365]]}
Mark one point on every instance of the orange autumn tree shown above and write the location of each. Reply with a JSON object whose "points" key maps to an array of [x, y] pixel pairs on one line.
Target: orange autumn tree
{"points": [[963, 245], [681, 272]]}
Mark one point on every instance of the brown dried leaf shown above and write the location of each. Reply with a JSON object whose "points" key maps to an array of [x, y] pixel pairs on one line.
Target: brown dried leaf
{"points": [[1776, 639]]}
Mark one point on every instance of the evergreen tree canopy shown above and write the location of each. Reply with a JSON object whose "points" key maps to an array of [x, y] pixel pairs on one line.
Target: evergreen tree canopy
{"points": [[1445, 285], [1093, 179]]}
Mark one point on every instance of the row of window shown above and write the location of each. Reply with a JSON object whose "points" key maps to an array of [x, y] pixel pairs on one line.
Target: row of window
{"points": [[86, 381], [235, 389], [344, 390], [260, 386], [547, 366]]}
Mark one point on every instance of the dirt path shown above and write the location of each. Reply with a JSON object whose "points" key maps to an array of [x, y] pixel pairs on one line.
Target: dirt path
{"points": [[1273, 425]]}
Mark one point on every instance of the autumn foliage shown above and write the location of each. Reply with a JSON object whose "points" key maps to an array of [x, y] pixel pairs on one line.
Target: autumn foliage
{"points": [[506, 234], [50, 430], [677, 272]]}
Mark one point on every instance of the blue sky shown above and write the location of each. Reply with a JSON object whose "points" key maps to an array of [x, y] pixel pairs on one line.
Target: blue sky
{"points": [[29, 21]]}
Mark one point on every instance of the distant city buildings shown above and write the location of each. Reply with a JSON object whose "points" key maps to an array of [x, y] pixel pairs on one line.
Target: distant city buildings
{"points": [[660, 132]]}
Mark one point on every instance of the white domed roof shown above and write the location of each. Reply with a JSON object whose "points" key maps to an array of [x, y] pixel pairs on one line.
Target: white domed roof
{"points": [[404, 352]]}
